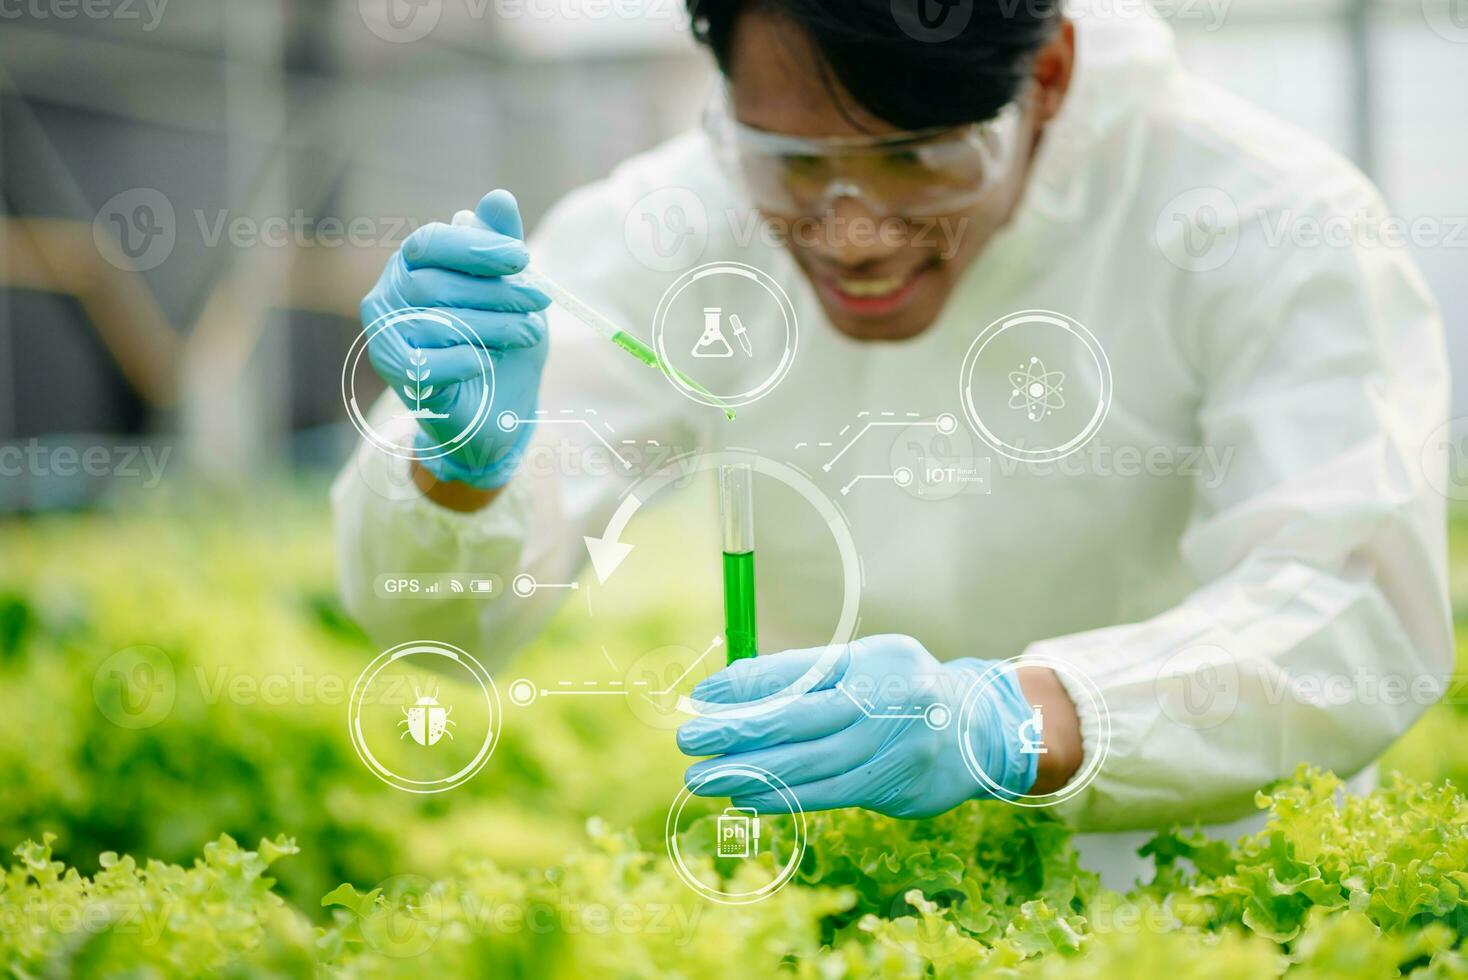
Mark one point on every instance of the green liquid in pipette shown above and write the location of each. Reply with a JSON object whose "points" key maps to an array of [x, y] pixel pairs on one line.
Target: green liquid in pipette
{"points": [[739, 620], [648, 356]]}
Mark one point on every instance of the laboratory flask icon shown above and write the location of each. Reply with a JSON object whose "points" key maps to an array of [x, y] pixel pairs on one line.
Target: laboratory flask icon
{"points": [[712, 342]]}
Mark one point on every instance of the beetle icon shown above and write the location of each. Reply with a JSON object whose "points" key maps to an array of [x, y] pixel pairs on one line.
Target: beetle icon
{"points": [[427, 720]]}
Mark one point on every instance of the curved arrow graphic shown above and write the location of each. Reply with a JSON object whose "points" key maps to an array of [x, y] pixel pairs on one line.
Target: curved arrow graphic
{"points": [[607, 552]]}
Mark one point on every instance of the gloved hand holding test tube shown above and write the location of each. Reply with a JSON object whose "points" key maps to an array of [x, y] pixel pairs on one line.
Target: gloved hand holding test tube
{"points": [[573, 305]]}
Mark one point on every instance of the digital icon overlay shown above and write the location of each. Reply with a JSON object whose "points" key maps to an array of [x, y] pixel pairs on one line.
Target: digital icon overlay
{"points": [[407, 727]]}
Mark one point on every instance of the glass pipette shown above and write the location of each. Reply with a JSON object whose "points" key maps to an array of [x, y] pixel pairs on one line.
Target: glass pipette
{"points": [[582, 311]]}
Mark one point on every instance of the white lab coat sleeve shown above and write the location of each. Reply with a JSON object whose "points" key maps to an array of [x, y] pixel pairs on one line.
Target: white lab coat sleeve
{"points": [[1320, 628], [605, 408]]}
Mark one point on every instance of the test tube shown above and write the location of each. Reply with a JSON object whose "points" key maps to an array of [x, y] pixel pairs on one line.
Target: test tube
{"points": [[736, 511]]}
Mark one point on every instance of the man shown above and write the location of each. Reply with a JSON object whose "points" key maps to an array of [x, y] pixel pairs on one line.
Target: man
{"points": [[1060, 157]]}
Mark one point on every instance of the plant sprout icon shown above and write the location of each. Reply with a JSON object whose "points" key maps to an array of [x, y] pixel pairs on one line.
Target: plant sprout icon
{"points": [[427, 720], [1036, 390], [417, 372]]}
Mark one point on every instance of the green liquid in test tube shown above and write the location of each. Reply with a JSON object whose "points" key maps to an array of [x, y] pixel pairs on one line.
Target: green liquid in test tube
{"points": [[736, 511]]}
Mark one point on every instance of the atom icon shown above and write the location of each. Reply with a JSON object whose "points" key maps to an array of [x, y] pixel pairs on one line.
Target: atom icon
{"points": [[1036, 390]]}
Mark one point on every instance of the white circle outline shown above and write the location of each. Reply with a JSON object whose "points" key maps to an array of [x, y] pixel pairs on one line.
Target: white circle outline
{"points": [[769, 285], [1075, 329], [1078, 782], [349, 384], [684, 466], [369, 674], [520, 684], [787, 796], [937, 717]]}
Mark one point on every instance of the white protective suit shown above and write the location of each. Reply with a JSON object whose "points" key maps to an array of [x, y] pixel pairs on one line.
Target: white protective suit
{"points": [[1305, 548]]}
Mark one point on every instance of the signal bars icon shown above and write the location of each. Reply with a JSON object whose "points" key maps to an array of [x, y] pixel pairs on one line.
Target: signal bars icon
{"points": [[458, 586]]}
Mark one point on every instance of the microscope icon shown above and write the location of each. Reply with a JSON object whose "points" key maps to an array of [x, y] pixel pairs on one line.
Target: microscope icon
{"points": [[1032, 734]]}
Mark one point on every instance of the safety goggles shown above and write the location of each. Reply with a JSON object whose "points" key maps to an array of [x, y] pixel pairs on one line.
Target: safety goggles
{"points": [[912, 174]]}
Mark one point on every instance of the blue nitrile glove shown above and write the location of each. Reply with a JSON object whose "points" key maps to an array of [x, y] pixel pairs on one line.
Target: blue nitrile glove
{"points": [[832, 753], [463, 270]]}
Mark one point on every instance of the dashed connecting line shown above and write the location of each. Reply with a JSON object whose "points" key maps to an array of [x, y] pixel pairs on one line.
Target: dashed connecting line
{"points": [[524, 585], [523, 692], [903, 476], [509, 422], [945, 423], [585, 687], [935, 716], [717, 641]]}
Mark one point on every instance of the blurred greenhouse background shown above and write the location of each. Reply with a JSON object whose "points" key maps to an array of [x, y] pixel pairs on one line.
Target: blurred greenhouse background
{"points": [[332, 127]]}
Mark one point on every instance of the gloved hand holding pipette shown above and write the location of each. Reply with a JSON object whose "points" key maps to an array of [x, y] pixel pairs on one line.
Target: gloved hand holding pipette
{"points": [[477, 269], [466, 272], [601, 325]]}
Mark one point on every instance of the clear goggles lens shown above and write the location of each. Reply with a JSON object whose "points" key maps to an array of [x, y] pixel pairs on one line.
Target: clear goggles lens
{"points": [[911, 174]]}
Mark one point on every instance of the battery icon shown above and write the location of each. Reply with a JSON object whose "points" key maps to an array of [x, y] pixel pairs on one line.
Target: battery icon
{"points": [[483, 585]]}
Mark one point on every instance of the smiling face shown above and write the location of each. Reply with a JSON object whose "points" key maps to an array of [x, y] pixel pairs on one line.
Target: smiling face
{"points": [[879, 277]]}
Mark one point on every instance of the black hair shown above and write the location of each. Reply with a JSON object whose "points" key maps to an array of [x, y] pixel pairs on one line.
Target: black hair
{"points": [[895, 61]]}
